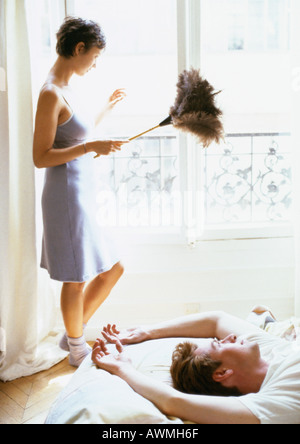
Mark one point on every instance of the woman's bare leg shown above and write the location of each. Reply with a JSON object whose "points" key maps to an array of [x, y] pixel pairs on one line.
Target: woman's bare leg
{"points": [[99, 289], [72, 296]]}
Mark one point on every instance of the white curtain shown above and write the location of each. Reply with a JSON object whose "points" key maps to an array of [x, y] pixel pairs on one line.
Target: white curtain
{"points": [[27, 343], [295, 82]]}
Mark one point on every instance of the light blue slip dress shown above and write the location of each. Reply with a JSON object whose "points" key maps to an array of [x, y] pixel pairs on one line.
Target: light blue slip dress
{"points": [[74, 248]]}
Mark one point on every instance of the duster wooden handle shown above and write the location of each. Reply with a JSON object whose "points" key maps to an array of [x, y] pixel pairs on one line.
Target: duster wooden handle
{"points": [[136, 137], [145, 132]]}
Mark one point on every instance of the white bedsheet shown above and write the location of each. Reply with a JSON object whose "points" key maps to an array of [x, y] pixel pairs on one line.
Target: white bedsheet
{"points": [[93, 396]]}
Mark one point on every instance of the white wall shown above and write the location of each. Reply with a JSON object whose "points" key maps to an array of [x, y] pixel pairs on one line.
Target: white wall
{"points": [[163, 282]]}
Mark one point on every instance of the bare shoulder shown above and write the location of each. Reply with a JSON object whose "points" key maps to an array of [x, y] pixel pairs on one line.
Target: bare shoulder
{"points": [[49, 94], [49, 99]]}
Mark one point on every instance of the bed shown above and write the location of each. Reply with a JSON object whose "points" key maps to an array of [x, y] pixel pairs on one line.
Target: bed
{"points": [[93, 396]]}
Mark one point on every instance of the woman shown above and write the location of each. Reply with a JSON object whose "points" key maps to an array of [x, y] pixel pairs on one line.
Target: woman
{"points": [[74, 249]]}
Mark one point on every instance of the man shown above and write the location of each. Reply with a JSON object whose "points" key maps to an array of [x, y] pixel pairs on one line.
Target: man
{"points": [[259, 372]]}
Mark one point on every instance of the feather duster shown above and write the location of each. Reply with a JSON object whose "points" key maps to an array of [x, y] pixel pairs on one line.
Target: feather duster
{"points": [[194, 94], [195, 110]]}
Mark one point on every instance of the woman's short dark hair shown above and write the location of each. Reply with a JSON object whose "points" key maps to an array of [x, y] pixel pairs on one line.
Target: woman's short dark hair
{"points": [[75, 30]]}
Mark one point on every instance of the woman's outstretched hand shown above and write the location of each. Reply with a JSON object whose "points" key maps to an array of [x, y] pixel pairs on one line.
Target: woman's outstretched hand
{"points": [[116, 97]]}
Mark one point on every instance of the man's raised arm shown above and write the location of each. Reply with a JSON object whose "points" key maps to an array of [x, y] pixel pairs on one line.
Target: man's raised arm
{"points": [[201, 325], [193, 408]]}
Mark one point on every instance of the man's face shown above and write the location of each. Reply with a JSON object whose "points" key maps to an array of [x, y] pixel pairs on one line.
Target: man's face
{"points": [[231, 351]]}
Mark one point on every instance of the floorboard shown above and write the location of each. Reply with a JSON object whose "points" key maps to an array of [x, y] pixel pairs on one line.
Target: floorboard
{"points": [[28, 400]]}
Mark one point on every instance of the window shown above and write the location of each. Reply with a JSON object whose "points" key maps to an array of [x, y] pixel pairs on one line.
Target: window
{"points": [[164, 182], [247, 25], [246, 53], [139, 187]]}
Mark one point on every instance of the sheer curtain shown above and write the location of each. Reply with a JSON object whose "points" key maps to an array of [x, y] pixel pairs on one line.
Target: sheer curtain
{"points": [[295, 69], [26, 346]]}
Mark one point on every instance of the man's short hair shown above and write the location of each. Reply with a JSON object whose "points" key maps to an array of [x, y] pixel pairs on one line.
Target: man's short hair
{"points": [[193, 374]]}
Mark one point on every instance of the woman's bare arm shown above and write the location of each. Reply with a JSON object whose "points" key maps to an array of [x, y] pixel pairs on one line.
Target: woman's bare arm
{"points": [[115, 98], [47, 115], [48, 110]]}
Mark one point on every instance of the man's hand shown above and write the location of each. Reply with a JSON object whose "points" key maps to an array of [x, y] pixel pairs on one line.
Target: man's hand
{"points": [[108, 361], [125, 337]]}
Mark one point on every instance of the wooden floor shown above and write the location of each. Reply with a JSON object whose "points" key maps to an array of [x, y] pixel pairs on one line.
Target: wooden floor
{"points": [[28, 400]]}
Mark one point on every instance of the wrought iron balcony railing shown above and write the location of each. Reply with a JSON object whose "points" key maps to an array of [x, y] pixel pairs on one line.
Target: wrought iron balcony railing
{"points": [[246, 180]]}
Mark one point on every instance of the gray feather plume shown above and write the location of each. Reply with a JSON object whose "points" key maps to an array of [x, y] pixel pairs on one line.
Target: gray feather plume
{"points": [[195, 110]]}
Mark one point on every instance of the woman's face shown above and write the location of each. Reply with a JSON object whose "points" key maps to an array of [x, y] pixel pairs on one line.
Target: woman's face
{"points": [[86, 60]]}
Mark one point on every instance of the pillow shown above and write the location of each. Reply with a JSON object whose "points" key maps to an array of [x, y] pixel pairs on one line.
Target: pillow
{"points": [[93, 396]]}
